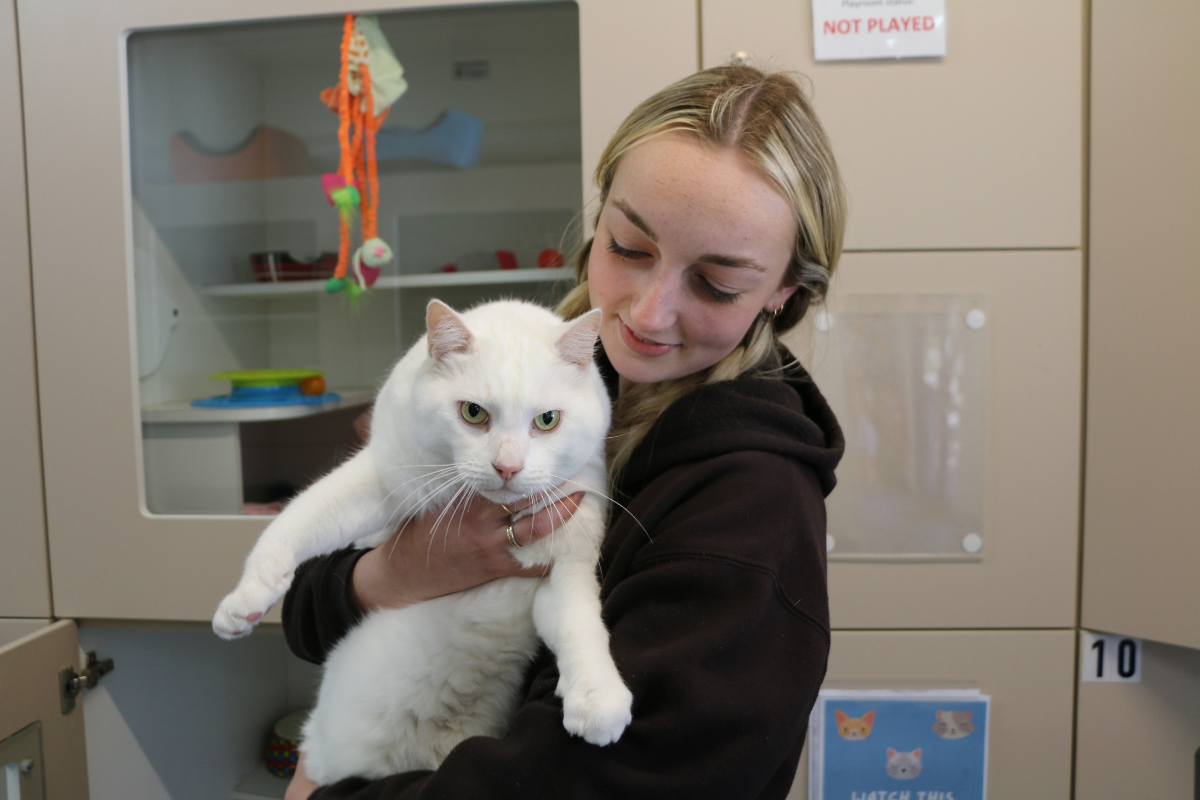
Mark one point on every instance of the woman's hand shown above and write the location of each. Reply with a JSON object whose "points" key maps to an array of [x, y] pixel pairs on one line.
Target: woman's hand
{"points": [[440, 554], [300, 787]]}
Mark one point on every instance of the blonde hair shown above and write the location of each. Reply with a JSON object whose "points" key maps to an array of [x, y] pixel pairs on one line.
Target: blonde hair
{"points": [[768, 118]]}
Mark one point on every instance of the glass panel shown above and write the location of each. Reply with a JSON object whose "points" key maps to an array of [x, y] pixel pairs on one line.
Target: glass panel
{"points": [[907, 378], [479, 171]]}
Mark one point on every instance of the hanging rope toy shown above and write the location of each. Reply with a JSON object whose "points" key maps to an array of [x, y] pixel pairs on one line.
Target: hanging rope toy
{"points": [[371, 80]]}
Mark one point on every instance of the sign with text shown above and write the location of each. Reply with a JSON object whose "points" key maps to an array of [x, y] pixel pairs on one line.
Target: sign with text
{"points": [[855, 29], [898, 745], [1111, 659]]}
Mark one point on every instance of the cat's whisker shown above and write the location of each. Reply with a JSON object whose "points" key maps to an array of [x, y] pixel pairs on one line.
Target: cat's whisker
{"points": [[431, 476], [554, 528], [416, 512], [436, 522], [461, 506], [609, 499]]}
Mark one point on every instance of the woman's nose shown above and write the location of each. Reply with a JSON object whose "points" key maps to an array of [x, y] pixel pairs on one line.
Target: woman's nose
{"points": [[654, 307]]}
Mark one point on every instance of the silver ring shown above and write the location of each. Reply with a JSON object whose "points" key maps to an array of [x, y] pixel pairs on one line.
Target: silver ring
{"points": [[512, 539]]}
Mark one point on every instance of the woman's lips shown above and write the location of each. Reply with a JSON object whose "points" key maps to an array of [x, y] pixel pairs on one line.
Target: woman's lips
{"points": [[642, 346]]}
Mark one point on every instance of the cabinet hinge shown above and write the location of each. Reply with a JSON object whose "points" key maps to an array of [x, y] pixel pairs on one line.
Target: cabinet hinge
{"points": [[71, 683]]}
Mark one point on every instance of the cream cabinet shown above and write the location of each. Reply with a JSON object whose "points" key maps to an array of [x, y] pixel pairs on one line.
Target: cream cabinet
{"points": [[1140, 739], [1027, 674], [24, 573], [982, 148], [1141, 551], [957, 379], [103, 203]]}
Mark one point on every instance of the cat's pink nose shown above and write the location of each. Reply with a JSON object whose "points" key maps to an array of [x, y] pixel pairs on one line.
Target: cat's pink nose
{"points": [[507, 470]]}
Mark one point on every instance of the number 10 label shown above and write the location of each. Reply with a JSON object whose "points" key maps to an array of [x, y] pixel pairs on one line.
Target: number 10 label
{"points": [[1115, 659]]}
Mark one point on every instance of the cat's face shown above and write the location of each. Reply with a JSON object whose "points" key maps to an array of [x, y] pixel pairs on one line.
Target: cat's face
{"points": [[511, 397], [953, 724], [854, 727], [903, 766]]}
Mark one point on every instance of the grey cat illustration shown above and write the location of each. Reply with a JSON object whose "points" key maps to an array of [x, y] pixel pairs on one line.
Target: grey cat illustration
{"points": [[953, 724], [904, 766]]}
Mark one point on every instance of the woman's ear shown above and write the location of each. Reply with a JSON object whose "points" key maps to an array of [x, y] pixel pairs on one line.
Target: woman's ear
{"points": [[778, 298]]}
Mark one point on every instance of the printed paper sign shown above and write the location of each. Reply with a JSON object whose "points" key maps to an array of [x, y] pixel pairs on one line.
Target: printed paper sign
{"points": [[850, 29], [1111, 659], [893, 745]]}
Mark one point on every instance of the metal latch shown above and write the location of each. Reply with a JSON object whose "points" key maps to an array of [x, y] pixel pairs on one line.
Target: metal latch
{"points": [[71, 683]]}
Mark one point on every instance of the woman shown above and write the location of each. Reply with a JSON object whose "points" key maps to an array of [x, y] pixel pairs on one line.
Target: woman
{"points": [[721, 219]]}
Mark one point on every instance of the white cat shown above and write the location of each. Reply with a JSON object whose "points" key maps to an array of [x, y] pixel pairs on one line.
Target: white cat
{"points": [[503, 400]]}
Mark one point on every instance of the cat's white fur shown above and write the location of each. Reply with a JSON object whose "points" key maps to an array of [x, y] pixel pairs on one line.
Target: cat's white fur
{"points": [[406, 685]]}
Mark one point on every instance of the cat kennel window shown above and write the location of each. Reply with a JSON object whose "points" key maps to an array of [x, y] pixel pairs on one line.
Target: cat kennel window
{"points": [[907, 378], [234, 239]]}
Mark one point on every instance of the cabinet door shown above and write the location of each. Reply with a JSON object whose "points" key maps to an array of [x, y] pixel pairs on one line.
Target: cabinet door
{"points": [[1141, 739], [24, 575], [956, 377], [31, 719], [1141, 508], [1027, 674], [981, 148], [112, 556]]}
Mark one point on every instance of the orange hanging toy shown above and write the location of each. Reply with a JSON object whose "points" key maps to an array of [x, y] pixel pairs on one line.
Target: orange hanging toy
{"points": [[371, 80]]}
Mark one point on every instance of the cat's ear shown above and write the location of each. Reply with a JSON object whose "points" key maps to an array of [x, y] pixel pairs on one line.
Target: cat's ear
{"points": [[578, 344], [869, 717], [917, 754], [964, 716], [891, 753], [447, 333], [839, 716]]}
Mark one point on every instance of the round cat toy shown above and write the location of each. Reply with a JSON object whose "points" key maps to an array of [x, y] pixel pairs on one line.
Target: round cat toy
{"points": [[283, 748]]}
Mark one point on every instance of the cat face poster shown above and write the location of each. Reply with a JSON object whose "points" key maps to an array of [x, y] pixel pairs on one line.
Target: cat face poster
{"points": [[898, 745]]}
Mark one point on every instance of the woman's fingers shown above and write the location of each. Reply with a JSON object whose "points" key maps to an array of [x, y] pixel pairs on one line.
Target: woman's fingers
{"points": [[537, 525]]}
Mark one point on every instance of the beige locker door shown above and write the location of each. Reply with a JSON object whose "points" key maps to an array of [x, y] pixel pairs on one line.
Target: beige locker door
{"points": [[1024, 574], [24, 575], [979, 149], [1141, 550], [1140, 739], [111, 559], [1028, 674], [29, 670]]}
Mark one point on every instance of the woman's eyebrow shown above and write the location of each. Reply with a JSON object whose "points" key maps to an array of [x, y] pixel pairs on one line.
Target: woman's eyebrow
{"points": [[709, 258], [633, 217], [732, 261]]}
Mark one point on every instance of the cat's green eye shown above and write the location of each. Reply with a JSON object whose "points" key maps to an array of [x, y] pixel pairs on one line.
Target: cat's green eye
{"points": [[474, 413], [547, 421]]}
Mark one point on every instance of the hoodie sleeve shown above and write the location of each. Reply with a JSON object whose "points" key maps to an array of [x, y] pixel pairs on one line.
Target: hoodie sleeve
{"points": [[723, 664], [317, 611]]}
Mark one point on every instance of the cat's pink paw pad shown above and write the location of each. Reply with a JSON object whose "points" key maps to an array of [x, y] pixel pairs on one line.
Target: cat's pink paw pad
{"points": [[255, 617]]}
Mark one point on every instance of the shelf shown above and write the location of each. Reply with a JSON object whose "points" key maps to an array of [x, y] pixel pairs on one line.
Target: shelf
{"points": [[184, 412], [423, 280]]}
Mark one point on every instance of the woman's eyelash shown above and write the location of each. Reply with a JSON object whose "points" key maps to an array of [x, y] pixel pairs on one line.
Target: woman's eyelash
{"points": [[622, 252], [717, 294], [712, 291]]}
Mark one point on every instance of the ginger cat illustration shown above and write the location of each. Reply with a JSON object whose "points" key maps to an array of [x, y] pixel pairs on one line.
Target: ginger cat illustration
{"points": [[854, 727]]}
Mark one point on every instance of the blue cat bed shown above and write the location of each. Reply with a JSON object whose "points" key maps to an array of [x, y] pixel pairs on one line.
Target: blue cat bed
{"points": [[255, 388], [252, 397]]}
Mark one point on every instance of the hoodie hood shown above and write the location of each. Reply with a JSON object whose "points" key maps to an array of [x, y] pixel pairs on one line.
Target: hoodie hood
{"points": [[784, 414]]}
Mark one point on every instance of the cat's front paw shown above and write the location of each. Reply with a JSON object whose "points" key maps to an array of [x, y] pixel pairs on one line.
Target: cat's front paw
{"points": [[599, 713], [242, 608]]}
